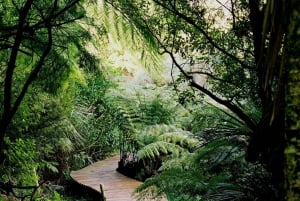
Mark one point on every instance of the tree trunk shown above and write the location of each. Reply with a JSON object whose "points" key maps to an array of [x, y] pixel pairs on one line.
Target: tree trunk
{"points": [[8, 114], [267, 142], [292, 131], [10, 108]]}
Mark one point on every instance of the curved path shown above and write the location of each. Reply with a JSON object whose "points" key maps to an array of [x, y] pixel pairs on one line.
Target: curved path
{"points": [[116, 187]]}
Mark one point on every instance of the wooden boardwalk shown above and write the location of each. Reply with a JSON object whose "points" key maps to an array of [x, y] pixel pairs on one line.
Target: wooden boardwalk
{"points": [[116, 187]]}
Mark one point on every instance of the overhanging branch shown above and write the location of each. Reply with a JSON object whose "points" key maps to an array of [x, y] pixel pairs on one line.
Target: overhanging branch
{"points": [[208, 38], [36, 70], [12, 64], [228, 104]]}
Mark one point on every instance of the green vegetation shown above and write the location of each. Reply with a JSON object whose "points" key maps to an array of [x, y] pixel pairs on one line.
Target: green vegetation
{"points": [[201, 98]]}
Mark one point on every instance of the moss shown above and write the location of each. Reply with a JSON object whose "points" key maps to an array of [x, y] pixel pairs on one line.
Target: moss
{"points": [[292, 150]]}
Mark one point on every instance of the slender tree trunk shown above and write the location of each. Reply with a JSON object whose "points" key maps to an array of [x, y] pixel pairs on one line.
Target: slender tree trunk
{"points": [[10, 108], [7, 106], [292, 149], [267, 143]]}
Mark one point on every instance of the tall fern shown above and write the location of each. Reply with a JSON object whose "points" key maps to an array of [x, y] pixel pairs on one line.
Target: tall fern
{"points": [[213, 168]]}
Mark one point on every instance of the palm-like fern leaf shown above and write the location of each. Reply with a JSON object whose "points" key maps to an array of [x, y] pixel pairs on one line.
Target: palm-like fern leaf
{"points": [[158, 129], [158, 149], [182, 138], [129, 36], [126, 108], [184, 162]]}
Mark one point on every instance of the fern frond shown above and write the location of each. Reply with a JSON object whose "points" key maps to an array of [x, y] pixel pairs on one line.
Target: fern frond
{"points": [[126, 108], [159, 129], [66, 131], [52, 166], [210, 148], [130, 36], [151, 193], [175, 180], [151, 133], [181, 138], [159, 149], [226, 153], [184, 162]]}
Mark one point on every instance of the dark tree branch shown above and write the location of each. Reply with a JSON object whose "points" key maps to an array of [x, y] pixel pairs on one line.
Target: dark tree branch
{"points": [[213, 77], [67, 21], [35, 71], [12, 30], [208, 38], [228, 104], [233, 14], [13, 57], [7, 113], [55, 15], [10, 109], [224, 6]]}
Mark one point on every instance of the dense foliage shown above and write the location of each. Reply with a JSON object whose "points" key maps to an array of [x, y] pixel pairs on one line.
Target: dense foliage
{"points": [[45, 84], [234, 53], [66, 101]]}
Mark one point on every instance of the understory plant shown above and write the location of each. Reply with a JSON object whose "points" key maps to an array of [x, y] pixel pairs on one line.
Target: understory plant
{"points": [[213, 169], [95, 118], [160, 143], [42, 135]]}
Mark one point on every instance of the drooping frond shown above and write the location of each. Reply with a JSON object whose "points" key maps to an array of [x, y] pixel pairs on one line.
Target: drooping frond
{"points": [[212, 148], [159, 128], [184, 162], [168, 144], [151, 133], [191, 174], [127, 108], [182, 138], [167, 133], [127, 35], [213, 153], [138, 112], [159, 149]]}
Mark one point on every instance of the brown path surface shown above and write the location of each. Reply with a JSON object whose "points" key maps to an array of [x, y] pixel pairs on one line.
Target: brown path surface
{"points": [[116, 186]]}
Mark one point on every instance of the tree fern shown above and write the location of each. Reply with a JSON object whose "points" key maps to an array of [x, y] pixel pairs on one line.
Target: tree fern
{"points": [[181, 138], [126, 103], [159, 149], [213, 172], [158, 129], [190, 178], [140, 111], [184, 162], [167, 133], [213, 122], [205, 172]]}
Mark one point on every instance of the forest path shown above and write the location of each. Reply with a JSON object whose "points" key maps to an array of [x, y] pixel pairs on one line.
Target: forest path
{"points": [[116, 187]]}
